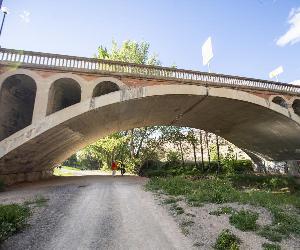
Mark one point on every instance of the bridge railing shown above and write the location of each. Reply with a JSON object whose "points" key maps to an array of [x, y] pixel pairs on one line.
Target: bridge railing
{"points": [[64, 62]]}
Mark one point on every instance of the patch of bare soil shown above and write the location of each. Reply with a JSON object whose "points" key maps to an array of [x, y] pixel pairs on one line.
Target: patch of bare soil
{"points": [[203, 228]]}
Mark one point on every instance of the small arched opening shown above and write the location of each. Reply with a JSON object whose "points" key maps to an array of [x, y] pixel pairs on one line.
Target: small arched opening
{"points": [[63, 93], [17, 97], [104, 88], [296, 106], [280, 101]]}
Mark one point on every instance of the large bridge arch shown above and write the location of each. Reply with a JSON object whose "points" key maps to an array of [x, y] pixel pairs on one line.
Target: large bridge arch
{"points": [[248, 121]]}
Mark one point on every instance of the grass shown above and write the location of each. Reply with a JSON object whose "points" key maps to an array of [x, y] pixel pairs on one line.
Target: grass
{"points": [[284, 206], [187, 223], [71, 168], [185, 226], [227, 241], [244, 220], [12, 219], [39, 201], [269, 246], [170, 201], [177, 209], [222, 210], [59, 172]]}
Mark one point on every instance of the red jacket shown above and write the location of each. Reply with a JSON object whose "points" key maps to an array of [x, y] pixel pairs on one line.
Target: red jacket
{"points": [[114, 166]]}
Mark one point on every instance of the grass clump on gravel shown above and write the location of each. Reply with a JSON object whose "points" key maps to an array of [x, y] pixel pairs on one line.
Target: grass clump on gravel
{"points": [[227, 241], [177, 209], [283, 225], [284, 206], [39, 201], [12, 219], [170, 201], [185, 226], [222, 210], [244, 220], [269, 246]]}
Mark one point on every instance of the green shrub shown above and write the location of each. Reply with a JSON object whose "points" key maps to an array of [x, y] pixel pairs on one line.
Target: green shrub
{"points": [[283, 225], [209, 189], [268, 246], [244, 220], [265, 182], [173, 158], [227, 241], [12, 219], [269, 233], [151, 168]]}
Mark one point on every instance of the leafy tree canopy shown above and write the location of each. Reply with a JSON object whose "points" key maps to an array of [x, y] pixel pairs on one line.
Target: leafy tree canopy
{"points": [[130, 51]]}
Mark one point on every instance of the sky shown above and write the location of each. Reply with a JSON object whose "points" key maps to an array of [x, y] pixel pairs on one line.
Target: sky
{"points": [[250, 37]]}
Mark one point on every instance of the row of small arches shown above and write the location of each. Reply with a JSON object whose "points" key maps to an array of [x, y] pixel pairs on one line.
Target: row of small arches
{"points": [[283, 103], [18, 93]]}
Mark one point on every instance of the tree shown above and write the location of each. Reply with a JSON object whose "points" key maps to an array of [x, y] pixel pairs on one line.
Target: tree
{"points": [[176, 136], [192, 139], [108, 149], [130, 51]]}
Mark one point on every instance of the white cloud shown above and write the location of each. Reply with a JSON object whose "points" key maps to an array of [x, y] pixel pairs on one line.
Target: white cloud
{"points": [[296, 82], [293, 34], [25, 16]]}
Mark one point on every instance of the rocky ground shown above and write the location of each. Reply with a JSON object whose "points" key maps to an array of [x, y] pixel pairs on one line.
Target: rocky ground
{"points": [[203, 228], [104, 212], [94, 212]]}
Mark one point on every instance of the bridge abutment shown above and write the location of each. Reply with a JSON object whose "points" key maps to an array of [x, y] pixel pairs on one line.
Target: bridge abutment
{"points": [[15, 178]]}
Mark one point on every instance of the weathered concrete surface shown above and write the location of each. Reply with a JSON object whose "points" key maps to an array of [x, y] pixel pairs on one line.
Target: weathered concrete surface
{"points": [[247, 117], [9, 179], [245, 120]]}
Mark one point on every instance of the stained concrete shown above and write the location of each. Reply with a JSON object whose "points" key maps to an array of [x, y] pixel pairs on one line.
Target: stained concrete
{"points": [[249, 119]]}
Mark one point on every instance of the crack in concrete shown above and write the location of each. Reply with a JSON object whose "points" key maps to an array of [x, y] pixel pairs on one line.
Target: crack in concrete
{"points": [[180, 116]]}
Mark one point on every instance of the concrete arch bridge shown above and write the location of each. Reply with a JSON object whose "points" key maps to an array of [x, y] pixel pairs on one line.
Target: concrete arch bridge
{"points": [[53, 105]]}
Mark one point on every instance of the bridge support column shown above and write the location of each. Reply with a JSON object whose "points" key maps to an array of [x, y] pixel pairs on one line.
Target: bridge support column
{"points": [[40, 105], [10, 179], [293, 168]]}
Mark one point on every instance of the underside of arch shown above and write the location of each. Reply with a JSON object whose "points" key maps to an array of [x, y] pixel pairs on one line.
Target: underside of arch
{"points": [[63, 93], [17, 97], [104, 88], [296, 106], [280, 101], [249, 126]]}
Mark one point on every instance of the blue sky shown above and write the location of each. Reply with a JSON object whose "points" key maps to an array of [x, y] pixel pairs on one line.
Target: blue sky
{"points": [[250, 37]]}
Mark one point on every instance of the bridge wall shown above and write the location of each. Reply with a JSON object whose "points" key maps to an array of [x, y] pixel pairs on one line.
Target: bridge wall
{"points": [[45, 78], [17, 153]]}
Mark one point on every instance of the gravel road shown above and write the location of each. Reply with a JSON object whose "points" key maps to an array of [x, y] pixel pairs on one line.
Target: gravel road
{"points": [[94, 212]]}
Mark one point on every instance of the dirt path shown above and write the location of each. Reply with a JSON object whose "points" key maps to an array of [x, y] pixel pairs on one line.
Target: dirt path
{"points": [[94, 212]]}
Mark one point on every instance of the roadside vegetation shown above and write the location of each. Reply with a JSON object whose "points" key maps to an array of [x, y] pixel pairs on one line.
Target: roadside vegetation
{"points": [[13, 217], [227, 241], [64, 171], [278, 194]]}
